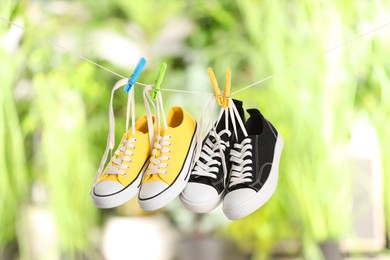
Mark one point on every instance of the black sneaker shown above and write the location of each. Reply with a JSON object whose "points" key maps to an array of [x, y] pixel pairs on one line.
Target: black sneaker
{"points": [[205, 188], [254, 174]]}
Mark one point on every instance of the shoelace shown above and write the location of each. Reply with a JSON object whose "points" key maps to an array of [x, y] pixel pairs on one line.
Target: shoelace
{"points": [[160, 146], [124, 152], [209, 106], [128, 147], [160, 150], [211, 151], [116, 165], [147, 101], [241, 169], [127, 152]]}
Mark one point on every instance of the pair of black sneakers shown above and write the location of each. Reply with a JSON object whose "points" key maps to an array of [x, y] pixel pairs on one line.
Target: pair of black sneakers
{"points": [[238, 165]]}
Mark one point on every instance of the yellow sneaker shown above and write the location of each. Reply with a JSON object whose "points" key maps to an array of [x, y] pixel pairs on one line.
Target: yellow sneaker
{"points": [[170, 162], [121, 179]]}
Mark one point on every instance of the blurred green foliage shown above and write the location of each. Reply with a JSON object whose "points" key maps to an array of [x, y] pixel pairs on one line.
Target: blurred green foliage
{"points": [[54, 105]]}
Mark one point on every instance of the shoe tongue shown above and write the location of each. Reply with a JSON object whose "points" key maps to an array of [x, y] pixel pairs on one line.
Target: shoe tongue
{"points": [[112, 177], [127, 135], [254, 125], [156, 177], [222, 125], [253, 111], [240, 135], [130, 134], [164, 131], [240, 109]]}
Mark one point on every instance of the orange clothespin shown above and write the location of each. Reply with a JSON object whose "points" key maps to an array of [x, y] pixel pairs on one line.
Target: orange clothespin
{"points": [[214, 83]]}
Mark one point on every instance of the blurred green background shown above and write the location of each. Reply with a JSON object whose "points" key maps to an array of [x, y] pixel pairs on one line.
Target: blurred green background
{"points": [[54, 121]]}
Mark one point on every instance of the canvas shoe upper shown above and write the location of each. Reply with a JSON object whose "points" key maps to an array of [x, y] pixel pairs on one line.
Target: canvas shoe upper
{"points": [[206, 186], [170, 162], [254, 174], [120, 180]]}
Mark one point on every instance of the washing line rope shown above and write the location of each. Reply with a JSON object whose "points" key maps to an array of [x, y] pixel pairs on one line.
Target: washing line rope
{"points": [[280, 72]]}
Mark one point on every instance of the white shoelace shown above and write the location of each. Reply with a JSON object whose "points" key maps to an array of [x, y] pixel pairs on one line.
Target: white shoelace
{"points": [[241, 169], [211, 151], [127, 145], [209, 106], [161, 145], [127, 153], [111, 130], [147, 101]]}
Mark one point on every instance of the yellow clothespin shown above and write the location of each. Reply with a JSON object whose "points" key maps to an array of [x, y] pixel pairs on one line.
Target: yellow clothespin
{"points": [[226, 94], [223, 99], [214, 83]]}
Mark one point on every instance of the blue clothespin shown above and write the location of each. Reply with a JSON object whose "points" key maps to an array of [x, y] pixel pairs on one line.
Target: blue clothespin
{"points": [[133, 78]]}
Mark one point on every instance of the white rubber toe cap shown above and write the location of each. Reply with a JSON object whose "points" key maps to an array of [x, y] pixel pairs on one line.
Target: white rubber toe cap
{"points": [[152, 189], [237, 198], [200, 198], [199, 193], [106, 188]]}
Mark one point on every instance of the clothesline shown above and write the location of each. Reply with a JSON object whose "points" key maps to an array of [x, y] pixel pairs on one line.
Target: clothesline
{"points": [[280, 72]]}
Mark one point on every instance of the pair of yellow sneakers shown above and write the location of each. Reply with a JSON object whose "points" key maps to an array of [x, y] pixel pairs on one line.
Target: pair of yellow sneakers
{"points": [[158, 174]]}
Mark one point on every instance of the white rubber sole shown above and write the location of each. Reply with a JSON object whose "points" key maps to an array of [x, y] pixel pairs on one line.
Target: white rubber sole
{"points": [[170, 193], [121, 197], [264, 194], [203, 206]]}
